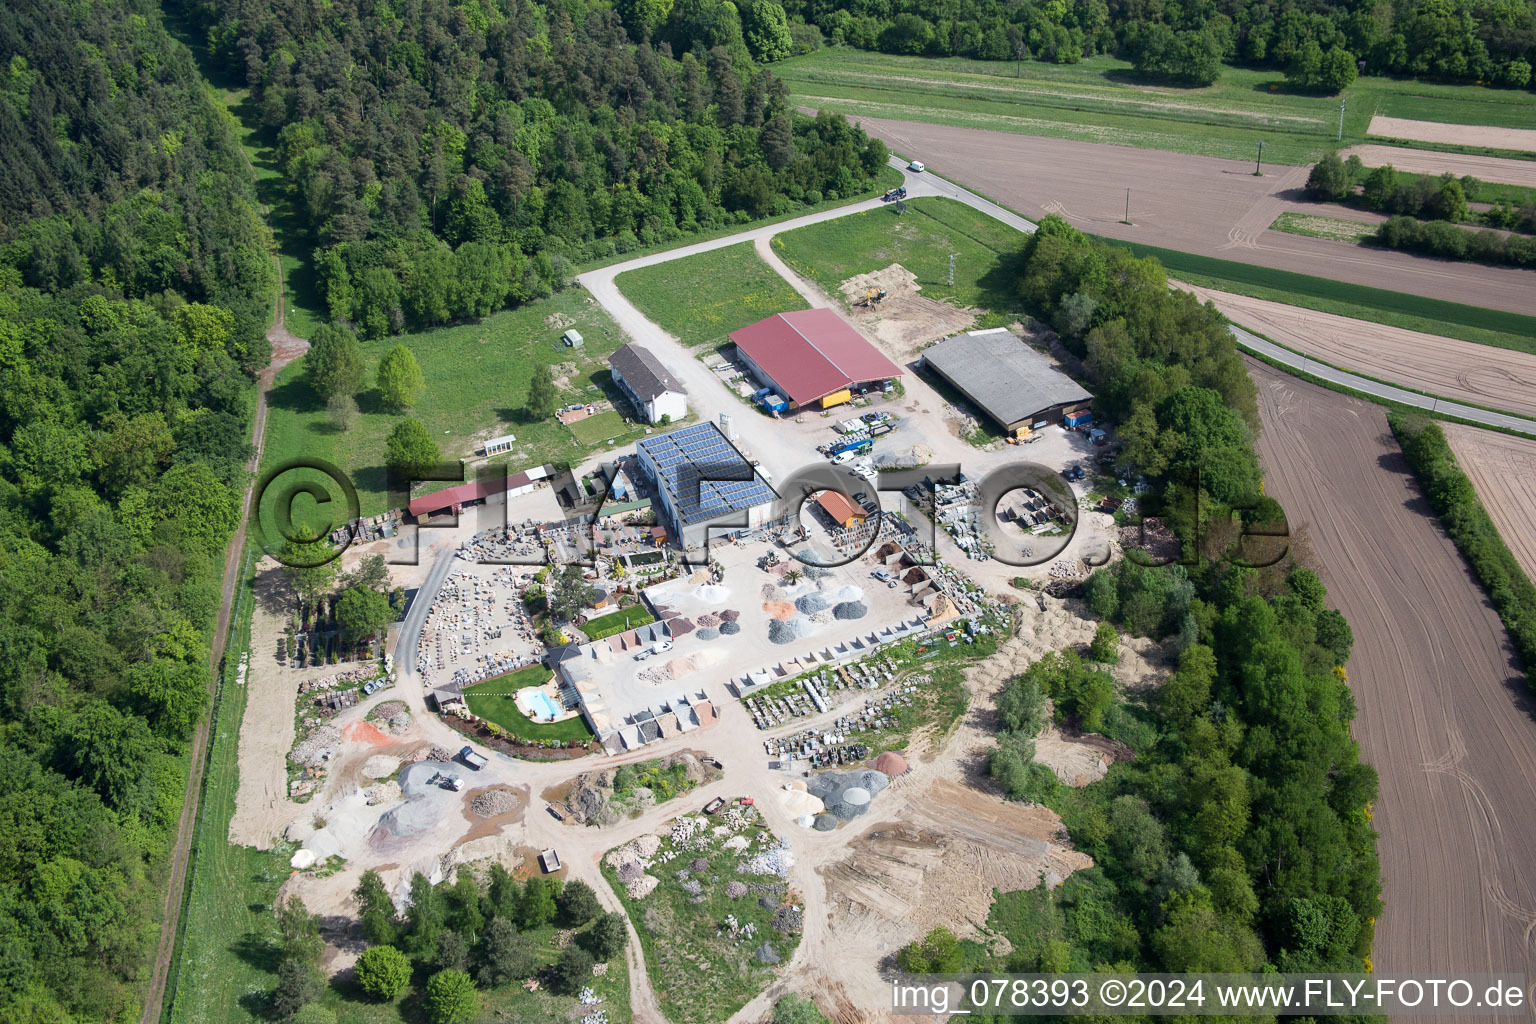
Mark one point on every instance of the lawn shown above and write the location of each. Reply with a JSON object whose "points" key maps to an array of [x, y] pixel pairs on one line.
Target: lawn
{"points": [[921, 240], [594, 430], [1336, 228], [703, 298], [476, 383], [1102, 100], [492, 701], [701, 967], [617, 622]]}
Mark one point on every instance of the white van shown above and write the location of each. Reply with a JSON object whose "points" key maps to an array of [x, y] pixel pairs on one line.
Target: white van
{"points": [[917, 166]]}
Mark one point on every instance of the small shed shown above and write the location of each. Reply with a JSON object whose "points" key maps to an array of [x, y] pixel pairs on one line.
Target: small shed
{"points": [[573, 339]]}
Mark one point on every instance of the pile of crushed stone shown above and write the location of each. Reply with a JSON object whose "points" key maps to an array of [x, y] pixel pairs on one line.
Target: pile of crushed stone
{"points": [[850, 610], [494, 802]]}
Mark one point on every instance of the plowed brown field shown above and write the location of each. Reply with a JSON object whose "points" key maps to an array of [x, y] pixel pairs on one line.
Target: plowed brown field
{"points": [[1497, 378], [1502, 469], [1444, 714], [1195, 204]]}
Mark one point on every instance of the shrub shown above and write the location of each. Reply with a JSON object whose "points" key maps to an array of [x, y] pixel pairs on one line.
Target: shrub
{"points": [[383, 972], [451, 998]]}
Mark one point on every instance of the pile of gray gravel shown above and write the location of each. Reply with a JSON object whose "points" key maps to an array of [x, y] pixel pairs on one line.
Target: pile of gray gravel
{"points": [[850, 610], [730, 628], [707, 633], [811, 603]]}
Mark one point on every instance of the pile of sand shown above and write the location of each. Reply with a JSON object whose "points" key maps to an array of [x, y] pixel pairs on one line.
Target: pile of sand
{"points": [[380, 766], [779, 609], [712, 593], [891, 763]]}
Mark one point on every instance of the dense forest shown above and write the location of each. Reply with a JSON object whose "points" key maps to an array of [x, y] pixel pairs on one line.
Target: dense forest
{"points": [[450, 160], [135, 284], [1454, 40], [1239, 835]]}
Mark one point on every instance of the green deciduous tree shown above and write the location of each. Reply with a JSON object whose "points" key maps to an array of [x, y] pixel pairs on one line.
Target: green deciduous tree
{"points": [[572, 971], [399, 379], [542, 396], [1329, 180], [334, 362], [410, 450], [505, 955], [361, 612], [451, 998]]}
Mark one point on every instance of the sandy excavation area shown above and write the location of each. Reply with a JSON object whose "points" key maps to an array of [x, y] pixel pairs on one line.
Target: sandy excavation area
{"points": [[1499, 378], [1444, 714], [1485, 136], [1502, 469], [905, 320], [1427, 161], [1203, 205]]}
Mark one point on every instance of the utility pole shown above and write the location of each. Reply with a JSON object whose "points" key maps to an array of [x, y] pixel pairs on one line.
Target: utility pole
{"points": [[1127, 207], [1257, 172], [1342, 104], [1018, 56]]}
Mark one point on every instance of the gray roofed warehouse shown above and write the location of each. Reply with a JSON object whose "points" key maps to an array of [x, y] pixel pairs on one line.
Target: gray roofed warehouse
{"points": [[1005, 377]]}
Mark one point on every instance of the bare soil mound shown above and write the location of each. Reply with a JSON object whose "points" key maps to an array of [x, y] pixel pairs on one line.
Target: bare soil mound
{"points": [[905, 320]]}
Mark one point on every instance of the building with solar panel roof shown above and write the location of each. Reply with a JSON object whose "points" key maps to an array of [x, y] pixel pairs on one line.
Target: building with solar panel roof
{"points": [[701, 481]]}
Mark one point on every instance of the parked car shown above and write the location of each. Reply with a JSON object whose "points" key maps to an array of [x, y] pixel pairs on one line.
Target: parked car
{"points": [[659, 647], [554, 813]]}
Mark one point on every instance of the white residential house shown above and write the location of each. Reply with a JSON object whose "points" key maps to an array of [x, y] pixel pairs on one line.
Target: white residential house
{"points": [[649, 385]]}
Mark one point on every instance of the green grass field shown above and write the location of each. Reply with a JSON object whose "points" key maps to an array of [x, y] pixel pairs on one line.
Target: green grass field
{"points": [[1102, 100], [476, 382], [705, 297], [1336, 228], [492, 701], [617, 622], [921, 240]]}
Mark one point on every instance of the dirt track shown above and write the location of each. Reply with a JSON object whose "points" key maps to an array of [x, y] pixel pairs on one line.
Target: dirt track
{"points": [[1502, 469], [1425, 161], [1195, 204], [1460, 370], [1444, 714]]}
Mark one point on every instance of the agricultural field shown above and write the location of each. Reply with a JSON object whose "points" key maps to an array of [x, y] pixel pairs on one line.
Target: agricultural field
{"points": [[712, 910], [703, 298], [921, 240], [1393, 309], [476, 382], [1101, 99], [1494, 379], [1520, 175], [1502, 469]]}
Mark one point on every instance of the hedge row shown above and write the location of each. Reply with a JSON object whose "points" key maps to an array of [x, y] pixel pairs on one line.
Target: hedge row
{"points": [[1439, 238]]}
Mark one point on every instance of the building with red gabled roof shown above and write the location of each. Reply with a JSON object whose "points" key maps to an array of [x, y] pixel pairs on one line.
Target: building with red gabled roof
{"points": [[813, 357]]}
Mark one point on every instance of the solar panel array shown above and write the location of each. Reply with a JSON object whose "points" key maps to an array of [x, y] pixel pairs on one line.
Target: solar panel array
{"points": [[689, 463]]}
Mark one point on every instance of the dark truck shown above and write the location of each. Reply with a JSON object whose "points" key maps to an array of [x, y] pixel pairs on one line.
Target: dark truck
{"points": [[472, 759]]}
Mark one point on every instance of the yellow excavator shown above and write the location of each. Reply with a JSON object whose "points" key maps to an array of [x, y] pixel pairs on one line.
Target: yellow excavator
{"points": [[871, 298]]}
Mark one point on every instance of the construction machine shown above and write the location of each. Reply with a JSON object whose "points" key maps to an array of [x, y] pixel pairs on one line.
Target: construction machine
{"points": [[872, 298]]}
